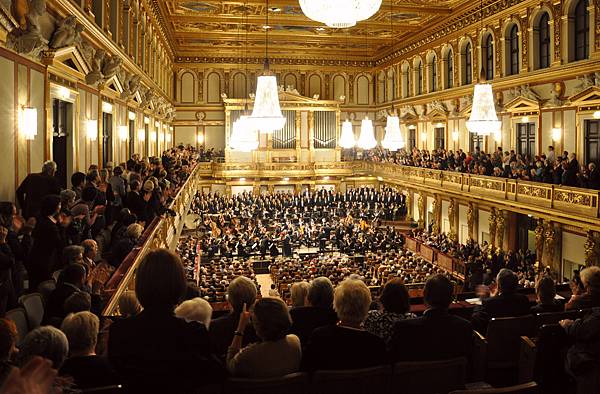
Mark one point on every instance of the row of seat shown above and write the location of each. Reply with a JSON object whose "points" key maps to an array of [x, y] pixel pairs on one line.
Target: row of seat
{"points": [[30, 313]]}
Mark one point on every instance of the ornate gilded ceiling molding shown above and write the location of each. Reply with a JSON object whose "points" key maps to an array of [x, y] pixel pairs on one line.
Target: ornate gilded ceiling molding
{"points": [[275, 61]]}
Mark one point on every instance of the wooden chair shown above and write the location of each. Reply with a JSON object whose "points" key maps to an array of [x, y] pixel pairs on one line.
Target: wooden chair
{"points": [[19, 317], [554, 317], [500, 348], [526, 388], [295, 383], [33, 304], [352, 381], [430, 377]]}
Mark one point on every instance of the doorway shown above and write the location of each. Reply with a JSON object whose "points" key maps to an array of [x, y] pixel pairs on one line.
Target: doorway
{"points": [[107, 132], [62, 126]]}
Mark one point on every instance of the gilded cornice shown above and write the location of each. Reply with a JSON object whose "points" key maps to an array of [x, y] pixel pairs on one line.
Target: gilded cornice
{"points": [[274, 61], [162, 25]]}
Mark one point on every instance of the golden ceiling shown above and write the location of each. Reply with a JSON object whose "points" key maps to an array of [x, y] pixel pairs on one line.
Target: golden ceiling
{"points": [[237, 28]]}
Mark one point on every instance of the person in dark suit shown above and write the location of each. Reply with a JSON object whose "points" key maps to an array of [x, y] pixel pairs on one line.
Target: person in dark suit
{"points": [[545, 291], [437, 335], [504, 301], [49, 240], [241, 291], [136, 202], [572, 171], [154, 351], [35, 187], [318, 313], [71, 281]]}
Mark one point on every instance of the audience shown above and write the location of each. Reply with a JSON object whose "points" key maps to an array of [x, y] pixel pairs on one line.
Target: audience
{"points": [[277, 353], [47, 342], [71, 281], [197, 309], [346, 345], [317, 312], [589, 296], [545, 292], [299, 294], [129, 304], [8, 342]]}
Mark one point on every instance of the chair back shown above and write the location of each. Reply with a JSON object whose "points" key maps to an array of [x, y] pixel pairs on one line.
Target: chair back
{"points": [[549, 368], [34, 306], [46, 288], [352, 381], [504, 340], [430, 377], [19, 317], [554, 317], [295, 383], [526, 388]]}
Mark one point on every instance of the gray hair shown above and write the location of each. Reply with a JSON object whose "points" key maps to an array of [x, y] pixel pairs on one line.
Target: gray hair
{"points": [[507, 281], [70, 252], [352, 300], [47, 342], [196, 309], [49, 167], [67, 195], [298, 292], [129, 304], [81, 329], [320, 292], [590, 277], [241, 291]]}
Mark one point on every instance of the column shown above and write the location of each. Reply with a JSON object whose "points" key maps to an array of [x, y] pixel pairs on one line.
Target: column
{"points": [[311, 136], [500, 229], [552, 248], [472, 221], [452, 218], [421, 207], [492, 227]]}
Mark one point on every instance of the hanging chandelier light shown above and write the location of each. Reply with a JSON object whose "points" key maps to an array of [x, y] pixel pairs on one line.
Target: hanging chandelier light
{"points": [[243, 137], [339, 14], [393, 140], [367, 140], [483, 120], [266, 114], [347, 140]]}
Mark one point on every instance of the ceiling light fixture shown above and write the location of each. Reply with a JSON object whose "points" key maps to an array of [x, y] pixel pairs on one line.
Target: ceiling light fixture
{"points": [[243, 137], [367, 140], [347, 139], [393, 140], [339, 14]]}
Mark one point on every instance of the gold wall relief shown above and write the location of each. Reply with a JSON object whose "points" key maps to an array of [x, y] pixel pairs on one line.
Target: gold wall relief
{"points": [[591, 246], [492, 227], [500, 226], [539, 240], [421, 207], [471, 216], [452, 219]]}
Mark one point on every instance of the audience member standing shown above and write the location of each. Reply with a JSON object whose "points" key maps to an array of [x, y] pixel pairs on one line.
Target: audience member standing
{"points": [[35, 187]]}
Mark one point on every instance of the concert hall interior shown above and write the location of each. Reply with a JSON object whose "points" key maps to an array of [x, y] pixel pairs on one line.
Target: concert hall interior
{"points": [[302, 196]]}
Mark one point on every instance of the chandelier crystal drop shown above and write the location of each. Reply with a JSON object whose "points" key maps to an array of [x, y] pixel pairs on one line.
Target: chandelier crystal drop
{"points": [[347, 140], [266, 114], [483, 120], [244, 137], [339, 14], [393, 140], [367, 140]]}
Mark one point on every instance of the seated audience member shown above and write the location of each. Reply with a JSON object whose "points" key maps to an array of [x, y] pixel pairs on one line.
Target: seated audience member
{"points": [[121, 249], [346, 345], [590, 297], [87, 369], [277, 354], [240, 291], [8, 341], [154, 351], [273, 291], [437, 335], [583, 357], [395, 302], [79, 301], [504, 301], [197, 309], [71, 281], [298, 294], [90, 252], [47, 342], [72, 254], [129, 304], [317, 313], [545, 292]]}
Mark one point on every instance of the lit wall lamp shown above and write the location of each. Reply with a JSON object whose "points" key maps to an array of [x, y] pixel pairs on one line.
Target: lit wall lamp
{"points": [[64, 93], [92, 129], [28, 122], [200, 138], [141, 135], [123, 133], [423, 135], [107, 107], [455, 135], [171, 128], [131, 115], [556, 134], [156, 123], [146, 120], [169, 137], [525, 119], [439, 125], [597, 115], [412, 127]]}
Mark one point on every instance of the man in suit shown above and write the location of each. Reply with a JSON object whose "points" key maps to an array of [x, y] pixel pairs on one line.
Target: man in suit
{"points": [[135, 202], [35, 187], [73, 279], [504, 301], [437, 335]]}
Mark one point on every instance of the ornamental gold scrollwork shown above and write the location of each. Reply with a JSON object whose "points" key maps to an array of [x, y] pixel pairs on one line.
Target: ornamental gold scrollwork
{"points": [[572, 197], [492, 227], [471, 220], [549, 244], [452, 219], [591, 249], [435, 228], [421, 206], [500, 224], [539, 239], [409, 205]]}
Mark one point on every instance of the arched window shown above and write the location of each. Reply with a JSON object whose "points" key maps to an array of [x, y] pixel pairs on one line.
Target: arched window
{"points": [[449, 70], [468, 64], [581, 30], [433, 82], [419, 71], [513, 50], [488, 57], [543, 33]]}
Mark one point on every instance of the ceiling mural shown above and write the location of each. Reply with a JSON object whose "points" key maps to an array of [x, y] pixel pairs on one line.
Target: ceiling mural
{"points": [[234, 28]]}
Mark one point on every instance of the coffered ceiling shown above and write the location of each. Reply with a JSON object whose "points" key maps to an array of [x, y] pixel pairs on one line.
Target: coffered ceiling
{"points": [[236, 29]]}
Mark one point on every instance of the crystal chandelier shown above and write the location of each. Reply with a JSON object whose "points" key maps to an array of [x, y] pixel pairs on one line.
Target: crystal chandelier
{"points": [[243, 138], [367, 140], [266, 114], [339, 14], [393, 137], [347, 140]]}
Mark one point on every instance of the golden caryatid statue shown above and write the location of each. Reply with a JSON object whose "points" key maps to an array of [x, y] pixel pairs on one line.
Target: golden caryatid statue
{"points": [[500, 223], [539, 240], [452, 219], [550, 237], [435, 228], [591, 249], [492, 228], [421, 206], [471, 220], [409, 206]]}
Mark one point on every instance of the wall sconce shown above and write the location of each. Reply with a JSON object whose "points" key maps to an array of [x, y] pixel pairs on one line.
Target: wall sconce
{"points": [[556, 134], [455, 135], [525, 119], [171, 128], [161, 136], [123, 133], [92, 129], [597, 115], [412, 127], [242, 179], [63, 93], [146, 120], [132, 115], [28, 122], [156, 123], [107, 107], [439, 125], [169, 137], [200, 138], [423, 135], [286, 179], [142, 135]]}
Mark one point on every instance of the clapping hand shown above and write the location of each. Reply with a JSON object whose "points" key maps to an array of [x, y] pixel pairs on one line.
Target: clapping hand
{"points": [[244, 319], [36, 377], [565, 323]]}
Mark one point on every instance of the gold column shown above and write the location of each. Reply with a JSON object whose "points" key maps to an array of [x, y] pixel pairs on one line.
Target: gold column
{"points": [[500, 227], [471, 216], [452, 220], [409, 205], [435, 211], [551, 236], [311, 136], [492, 227], [298, 135], [421, 207], [539, 240]]}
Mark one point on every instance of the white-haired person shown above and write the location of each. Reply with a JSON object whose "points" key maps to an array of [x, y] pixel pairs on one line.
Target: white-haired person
{"points": [[197, 309], [298, 294], [278, 353], [87, 369], [47, 342], [346, 345], [317, 312], [590, 296]]}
